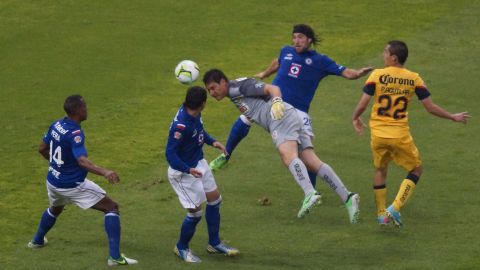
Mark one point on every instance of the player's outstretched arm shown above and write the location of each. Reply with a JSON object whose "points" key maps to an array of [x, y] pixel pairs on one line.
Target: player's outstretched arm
{"points": [[220, 146], [442, 113], [357, 122], [111, 176], [270, 70], [353, 74]]}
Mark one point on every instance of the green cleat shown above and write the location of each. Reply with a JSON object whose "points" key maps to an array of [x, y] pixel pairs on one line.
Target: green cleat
{"points": [[308, 203], [218, 163], [120, 261]]}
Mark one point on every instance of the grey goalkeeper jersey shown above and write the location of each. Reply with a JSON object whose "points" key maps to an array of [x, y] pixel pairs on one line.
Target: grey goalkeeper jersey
{"points": [[249, 96]]}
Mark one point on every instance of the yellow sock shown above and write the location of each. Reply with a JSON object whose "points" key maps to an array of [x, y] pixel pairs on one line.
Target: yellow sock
{"points": [[380, 199], [405, 191]]}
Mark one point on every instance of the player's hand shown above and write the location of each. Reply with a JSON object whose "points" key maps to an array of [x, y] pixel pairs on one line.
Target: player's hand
{"points": [[220, 146], [461, 117], [111, 176], [364, 71], [195, 173], [358, 125], [278, 109], [260, 75]]}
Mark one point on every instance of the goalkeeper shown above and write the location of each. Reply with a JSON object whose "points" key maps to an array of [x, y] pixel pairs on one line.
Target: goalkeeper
{"points": [[262, 103]]}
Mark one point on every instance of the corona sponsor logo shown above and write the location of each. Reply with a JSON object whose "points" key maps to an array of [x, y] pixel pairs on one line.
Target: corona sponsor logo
{"points": [[386, 79]]}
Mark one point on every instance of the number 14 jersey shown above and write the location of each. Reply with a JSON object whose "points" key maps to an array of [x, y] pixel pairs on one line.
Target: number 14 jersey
{"points": [[392, 89], [66, 141]]}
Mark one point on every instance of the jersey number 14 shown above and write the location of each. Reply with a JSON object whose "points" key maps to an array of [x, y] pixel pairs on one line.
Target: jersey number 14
{"points": [[56, 155]]}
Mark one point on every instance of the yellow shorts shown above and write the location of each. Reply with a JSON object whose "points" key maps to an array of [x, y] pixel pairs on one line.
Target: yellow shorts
{"points": [[401, 150]]}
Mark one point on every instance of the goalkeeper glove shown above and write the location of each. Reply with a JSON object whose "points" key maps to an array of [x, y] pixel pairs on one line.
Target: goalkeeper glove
{"points": [[278, 109]]}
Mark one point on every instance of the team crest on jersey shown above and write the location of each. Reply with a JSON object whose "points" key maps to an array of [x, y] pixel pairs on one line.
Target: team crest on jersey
{"points": [[177, 135], [294, 70], [308, 61], [77, 139]]}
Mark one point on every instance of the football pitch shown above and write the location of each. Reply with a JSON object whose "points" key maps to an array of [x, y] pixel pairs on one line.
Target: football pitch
{"points": [[120, 56]]}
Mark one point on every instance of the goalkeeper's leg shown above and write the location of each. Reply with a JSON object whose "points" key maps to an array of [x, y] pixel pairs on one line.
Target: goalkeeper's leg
{"points": [[239, 130]]}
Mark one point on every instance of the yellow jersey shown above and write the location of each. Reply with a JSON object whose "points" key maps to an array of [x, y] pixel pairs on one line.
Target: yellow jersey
{"points": [[392, 89]]}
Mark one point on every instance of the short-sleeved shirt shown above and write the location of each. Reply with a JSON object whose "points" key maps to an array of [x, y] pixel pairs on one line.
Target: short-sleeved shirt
{"points": [[299, 74], [66, 140], [392, 89], [185, 141]]}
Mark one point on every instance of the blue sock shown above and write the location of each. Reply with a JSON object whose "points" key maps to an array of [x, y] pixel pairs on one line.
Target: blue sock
{"points": [[188, 230], [313, 178], [112, 227], [212, 216], [46, 223], [237, 133]]}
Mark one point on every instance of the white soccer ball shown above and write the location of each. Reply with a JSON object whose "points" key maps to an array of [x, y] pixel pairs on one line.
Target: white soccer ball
{"points": [[187, 71]]}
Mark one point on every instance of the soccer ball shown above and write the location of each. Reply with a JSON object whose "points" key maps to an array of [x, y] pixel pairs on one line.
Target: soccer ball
{"points": [[187, 71]]}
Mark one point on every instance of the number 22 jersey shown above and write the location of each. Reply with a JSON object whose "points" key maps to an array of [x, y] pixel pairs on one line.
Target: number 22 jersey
{"points": [[392, 89]]}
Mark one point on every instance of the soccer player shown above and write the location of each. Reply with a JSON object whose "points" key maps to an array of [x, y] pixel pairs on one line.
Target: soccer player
{"points": [[392, 88], [191, 178], [300, 70], [64, 147], [262, 103]]}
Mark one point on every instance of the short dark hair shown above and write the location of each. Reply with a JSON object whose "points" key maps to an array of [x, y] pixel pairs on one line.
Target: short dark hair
{"points": [[307, 31], [72, 104], [215, 75], [195, 97], [399, 49]]}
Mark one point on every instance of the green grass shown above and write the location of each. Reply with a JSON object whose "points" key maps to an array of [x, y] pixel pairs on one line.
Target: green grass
{"points": [[120, 56]]}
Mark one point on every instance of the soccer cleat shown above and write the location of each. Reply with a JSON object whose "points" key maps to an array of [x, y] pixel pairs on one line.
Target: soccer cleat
{"points": [[394, 216], [121, 261], [186, 255], [223, 249], [353, 207], [33, 244], [308, 203], [218, 163], [382, 220]]}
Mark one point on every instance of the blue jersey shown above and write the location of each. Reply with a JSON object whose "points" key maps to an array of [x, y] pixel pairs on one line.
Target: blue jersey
{"points": [[66, 140], [299, 75], [185, 141]]}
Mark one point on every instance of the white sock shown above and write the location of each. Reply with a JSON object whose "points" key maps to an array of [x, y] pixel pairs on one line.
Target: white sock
{"points": [[331, 178], [299, 172]]}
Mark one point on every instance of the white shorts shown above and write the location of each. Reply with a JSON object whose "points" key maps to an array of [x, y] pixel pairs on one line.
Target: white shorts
{"points": [[85, 195], [307, 123], [190, 190]]}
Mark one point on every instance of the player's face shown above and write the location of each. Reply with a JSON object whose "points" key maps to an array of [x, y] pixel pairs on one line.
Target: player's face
{"points": [[82, 112], [301, 42], [217, 90]]}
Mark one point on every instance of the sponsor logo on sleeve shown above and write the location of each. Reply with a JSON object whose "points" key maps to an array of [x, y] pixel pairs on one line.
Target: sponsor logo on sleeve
{"points": [[180, 126], [78, 139], [177, 135], [76, 132]]}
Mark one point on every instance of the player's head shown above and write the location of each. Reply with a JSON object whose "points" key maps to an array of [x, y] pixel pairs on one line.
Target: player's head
{"points": [[303, 37], [216, 83], [395, 53], [76, 107], [196, 98]]}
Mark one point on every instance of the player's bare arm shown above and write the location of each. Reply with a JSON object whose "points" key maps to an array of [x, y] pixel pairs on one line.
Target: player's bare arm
{"points": [[357, 122], [110, 175], [270, 69], [44, 150], [353, 74], [436, 110], [220, 146]]}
